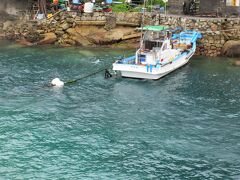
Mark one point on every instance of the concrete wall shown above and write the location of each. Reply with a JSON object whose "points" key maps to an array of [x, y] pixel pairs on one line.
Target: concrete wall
{"points": [[207, 6], [12, 7], [233, 10], [176, 6]]}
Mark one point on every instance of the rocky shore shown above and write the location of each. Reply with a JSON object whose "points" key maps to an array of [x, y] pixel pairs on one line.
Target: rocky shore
{"points": [[71, 29], [220, 36]]}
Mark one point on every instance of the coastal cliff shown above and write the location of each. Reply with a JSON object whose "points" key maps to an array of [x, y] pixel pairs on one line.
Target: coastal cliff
{"points": [[119, 29]]}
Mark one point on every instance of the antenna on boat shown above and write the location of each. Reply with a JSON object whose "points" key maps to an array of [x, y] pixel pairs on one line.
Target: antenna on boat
{"points": [[123, 54], [142, 24]]}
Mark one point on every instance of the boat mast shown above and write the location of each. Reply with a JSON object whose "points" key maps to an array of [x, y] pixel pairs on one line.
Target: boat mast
{"points": [[142, 24]]}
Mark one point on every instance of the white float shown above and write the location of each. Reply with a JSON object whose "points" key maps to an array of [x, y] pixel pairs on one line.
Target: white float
{"points": [[88, 7], [57, 82]]}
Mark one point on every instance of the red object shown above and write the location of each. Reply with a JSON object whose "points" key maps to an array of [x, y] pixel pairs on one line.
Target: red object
{"points": [[55, 2], [107, 10], [81, 7], [77, 7]]}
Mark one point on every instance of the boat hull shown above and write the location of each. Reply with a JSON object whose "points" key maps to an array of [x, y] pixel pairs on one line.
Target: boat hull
{"points": [[141, 72], [137, 75]]}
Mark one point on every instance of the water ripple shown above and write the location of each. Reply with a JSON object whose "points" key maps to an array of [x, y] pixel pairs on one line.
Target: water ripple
{"points": [[184, 126]]}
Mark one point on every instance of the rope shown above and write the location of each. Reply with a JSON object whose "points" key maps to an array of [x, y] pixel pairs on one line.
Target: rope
{"points": [[219, 31], [83, 77], [56, 13]]}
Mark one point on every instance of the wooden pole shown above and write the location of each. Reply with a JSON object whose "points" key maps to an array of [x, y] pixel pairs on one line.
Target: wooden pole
{"points": [[56, 13], [42, 4]]}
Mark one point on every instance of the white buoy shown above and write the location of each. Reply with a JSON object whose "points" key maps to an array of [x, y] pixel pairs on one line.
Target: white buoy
{"points": [[88, 7], [57, 82]]}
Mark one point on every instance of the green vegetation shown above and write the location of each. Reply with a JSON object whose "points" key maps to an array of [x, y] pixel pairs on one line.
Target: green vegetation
{"points": [[156, 2], [121, 7], [124, 7]]}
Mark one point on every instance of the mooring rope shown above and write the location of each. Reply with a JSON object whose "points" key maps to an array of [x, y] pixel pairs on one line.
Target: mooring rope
{"points": [[223, 30], [86, 76]]}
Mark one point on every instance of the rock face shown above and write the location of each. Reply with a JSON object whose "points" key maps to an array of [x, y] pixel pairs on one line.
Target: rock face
{"points": [[70, 29], [231, 49], [24, 42], [49, 38], [87, 36], [33, 36], [7, 24], [65, 26]]}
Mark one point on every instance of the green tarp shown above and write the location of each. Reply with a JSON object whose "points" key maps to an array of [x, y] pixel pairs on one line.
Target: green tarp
{"points": [[154, 28]]}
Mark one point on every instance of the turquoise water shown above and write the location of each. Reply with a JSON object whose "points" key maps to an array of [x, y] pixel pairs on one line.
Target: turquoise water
{"points": [[184, 126]]}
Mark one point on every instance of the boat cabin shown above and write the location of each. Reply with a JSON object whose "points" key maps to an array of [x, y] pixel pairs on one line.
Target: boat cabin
{"points": [[158, 44], [153, 36]]}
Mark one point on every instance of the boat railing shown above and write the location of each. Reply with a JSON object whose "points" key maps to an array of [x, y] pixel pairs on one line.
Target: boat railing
{"points": [[187, 36]]}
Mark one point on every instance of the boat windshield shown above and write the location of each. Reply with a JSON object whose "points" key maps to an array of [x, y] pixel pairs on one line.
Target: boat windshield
{"points": [[153, 39], [149, 45]]}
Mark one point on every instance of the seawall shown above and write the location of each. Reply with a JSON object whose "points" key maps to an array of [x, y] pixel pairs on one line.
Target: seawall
{"points": [[216, 31], [73, 29]]}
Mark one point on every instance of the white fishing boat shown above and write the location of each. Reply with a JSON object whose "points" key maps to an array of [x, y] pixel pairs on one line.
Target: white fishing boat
{"points": [[159, 54]]}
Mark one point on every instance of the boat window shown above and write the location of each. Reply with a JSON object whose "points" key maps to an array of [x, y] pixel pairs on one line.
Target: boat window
{"points": [[153, 36], [151, 44]]}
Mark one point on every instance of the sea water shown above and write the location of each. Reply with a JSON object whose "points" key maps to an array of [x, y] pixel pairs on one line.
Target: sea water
{"points": [[183, 126]]}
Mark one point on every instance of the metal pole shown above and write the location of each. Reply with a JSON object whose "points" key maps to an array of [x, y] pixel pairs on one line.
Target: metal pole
{"points": [[142, 25], [165, 7]]}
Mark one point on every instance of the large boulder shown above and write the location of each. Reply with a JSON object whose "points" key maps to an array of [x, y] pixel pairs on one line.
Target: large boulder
{"points": [[49, 38], [236, 63], [72, 32], [24, 42], [65, 26], [79, 39], [7, 24], [33, 37], [100, 36], [231, 48]]}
